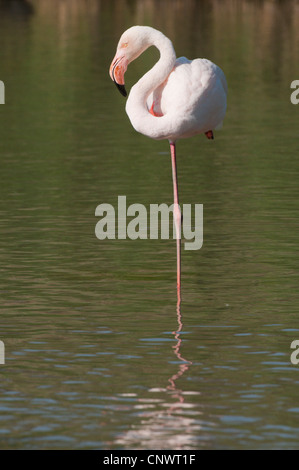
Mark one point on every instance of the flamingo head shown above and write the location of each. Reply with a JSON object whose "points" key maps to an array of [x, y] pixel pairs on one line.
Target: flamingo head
{"points": [[132, 43]]}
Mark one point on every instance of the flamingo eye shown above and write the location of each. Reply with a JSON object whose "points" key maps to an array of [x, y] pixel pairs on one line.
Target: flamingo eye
{"points": [[125, 44]]}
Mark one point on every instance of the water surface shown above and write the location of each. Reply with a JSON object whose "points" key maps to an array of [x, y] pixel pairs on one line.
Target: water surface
{"points": [[97, 355]]}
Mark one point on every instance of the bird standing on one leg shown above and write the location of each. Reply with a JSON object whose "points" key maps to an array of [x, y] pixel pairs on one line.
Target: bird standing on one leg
{"points": [[177, 98]]}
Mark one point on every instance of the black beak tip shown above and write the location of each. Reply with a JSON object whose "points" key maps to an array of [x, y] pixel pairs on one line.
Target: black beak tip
{"points": [[121, 88]]}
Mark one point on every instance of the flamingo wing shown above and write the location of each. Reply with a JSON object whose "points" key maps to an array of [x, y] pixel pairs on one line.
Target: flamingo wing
{"points": [[194, 96]]}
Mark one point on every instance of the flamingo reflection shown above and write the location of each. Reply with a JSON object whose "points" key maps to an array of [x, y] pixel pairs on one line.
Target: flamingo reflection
{"points": [[184, 366], [161, 420]]}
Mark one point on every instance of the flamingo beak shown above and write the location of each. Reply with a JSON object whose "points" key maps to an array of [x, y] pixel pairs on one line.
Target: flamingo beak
{"points": [[117, 71]]}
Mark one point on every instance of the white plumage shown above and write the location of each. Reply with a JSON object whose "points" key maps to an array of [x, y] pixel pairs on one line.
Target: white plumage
{"points": [[177, 98], [193, 98], [191, 95]]}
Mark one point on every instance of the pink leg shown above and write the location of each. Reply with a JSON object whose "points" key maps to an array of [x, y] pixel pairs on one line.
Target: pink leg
{"points": [[177, 217]]}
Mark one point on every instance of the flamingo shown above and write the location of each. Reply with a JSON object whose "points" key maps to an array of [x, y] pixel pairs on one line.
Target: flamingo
{"points": [[176, 99]]}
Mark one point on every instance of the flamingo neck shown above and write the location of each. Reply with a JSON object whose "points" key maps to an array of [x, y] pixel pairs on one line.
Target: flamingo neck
{"points": [[160, 71], [136, 106]]}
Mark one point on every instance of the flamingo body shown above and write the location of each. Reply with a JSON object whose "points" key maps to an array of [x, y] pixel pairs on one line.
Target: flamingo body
{"points": [[193, 99], [188, 97]]}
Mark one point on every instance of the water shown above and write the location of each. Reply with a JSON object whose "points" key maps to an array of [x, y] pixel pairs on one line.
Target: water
{"points": [[97, 355]]}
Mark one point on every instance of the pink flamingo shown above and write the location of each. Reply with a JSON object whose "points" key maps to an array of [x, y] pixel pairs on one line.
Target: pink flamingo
{"points": [[177, 98]]}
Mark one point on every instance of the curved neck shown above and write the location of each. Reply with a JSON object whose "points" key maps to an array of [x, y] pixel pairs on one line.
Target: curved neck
{"points": [[136, 107], [160, 71]]}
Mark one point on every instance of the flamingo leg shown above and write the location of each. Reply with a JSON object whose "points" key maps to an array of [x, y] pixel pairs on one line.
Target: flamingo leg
{"points": [[177, 217]]}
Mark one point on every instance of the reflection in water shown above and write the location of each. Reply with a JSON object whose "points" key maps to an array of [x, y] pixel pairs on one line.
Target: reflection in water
{"points": [[162, 428], [185, 366], [173, 428]]}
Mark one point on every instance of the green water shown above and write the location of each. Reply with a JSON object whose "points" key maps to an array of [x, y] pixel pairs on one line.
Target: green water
{"points": [[92, 357]]}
